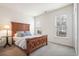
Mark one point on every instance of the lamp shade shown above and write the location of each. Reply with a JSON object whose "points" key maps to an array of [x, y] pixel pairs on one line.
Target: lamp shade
{"points": [[6, 27]]}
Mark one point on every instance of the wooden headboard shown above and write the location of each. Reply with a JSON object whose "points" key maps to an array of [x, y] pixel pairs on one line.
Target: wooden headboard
{"points": [[19, 27]]}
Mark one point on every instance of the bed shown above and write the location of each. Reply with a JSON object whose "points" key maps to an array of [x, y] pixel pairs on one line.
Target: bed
{"points": [[27, 43]]}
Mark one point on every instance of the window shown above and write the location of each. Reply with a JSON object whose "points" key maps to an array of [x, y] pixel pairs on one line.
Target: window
{"points": [[61, 26]]}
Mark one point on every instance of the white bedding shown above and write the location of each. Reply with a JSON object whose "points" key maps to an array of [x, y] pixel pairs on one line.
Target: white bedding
{"points": [[21, 41]]}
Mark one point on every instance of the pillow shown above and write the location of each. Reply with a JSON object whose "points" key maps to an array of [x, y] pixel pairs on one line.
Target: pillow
{"points": [[20, 34], [27, 33]]}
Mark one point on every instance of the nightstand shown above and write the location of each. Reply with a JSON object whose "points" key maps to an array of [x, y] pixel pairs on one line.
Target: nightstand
{"points": [[7, 40]]}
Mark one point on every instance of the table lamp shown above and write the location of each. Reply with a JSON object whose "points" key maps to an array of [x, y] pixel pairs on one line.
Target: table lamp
{"points": [[6, 27]]}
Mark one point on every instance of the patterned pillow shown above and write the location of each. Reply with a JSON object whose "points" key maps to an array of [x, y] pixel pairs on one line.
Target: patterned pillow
{"points": [[27, 33], [20, 34]]}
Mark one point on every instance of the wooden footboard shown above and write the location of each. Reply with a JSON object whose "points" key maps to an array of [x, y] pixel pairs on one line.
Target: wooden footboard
{"points": [[35, 43]]}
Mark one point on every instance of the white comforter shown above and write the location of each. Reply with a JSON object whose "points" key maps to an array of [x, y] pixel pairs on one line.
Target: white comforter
{"points": [[21, 41]]}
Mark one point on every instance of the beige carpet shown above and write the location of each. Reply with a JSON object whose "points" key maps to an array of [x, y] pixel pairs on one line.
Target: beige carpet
{"points": [[49, 50]]}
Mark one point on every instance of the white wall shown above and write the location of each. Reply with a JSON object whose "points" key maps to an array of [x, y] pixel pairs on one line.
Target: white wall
{"points": [[47, 25], [74, 29], [78, 27], [8, 15]]}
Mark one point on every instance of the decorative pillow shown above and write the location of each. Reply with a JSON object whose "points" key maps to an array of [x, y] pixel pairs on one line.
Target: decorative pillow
{"points": [[27, 33], [20, 34]]}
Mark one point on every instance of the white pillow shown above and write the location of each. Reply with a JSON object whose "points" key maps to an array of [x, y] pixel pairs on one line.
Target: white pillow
{"points": [[19, 34]]}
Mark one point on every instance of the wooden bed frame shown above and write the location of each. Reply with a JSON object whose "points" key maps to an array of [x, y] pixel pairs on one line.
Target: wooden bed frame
{"points": [[32, 43]]}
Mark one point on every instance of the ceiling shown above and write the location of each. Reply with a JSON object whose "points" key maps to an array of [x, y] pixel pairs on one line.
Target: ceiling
{"points": [[32, 9]]}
